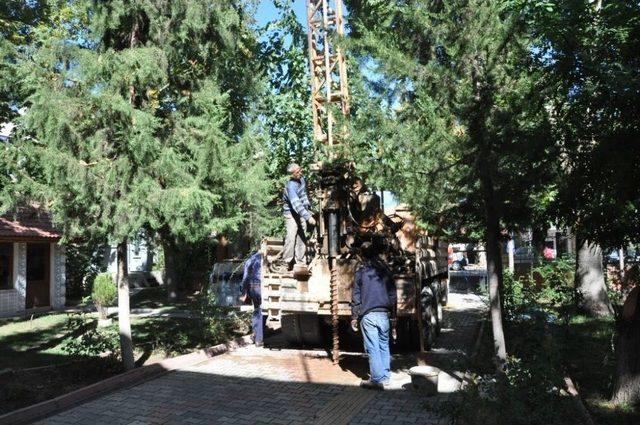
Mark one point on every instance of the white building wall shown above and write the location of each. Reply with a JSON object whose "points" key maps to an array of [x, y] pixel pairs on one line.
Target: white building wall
{"points": [[57, 275], [20, 273]]}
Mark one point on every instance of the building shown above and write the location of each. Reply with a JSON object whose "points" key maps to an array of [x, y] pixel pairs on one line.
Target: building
{"points": [[32, 262]]}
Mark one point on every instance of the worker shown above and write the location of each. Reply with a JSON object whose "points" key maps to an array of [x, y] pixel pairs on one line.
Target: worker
{"points": [[296, 216], [373, 309], [251, 281]]}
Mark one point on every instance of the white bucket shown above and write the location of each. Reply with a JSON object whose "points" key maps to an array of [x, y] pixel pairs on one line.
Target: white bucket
{"points": [[425, 379]]}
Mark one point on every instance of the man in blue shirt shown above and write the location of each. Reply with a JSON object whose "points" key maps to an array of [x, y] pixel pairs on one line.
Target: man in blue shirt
{"points": [[251, 281], [373, 305], [296, 216]]}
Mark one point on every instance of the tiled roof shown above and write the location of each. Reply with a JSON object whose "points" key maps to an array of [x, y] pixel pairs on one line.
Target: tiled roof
{"points": [[29, 223]]}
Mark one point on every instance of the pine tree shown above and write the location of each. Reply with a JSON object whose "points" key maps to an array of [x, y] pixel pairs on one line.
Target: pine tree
{"points": [[143, 125]]}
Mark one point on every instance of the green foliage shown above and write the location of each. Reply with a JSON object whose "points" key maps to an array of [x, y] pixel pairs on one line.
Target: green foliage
{"points": [[219, 323], [141, 123], [457, 115], [104, 292], [87, 340], [518, 295], [284, 114], [548, 289], [558, 290], [84, 262], [588, 53], [532, 389]]}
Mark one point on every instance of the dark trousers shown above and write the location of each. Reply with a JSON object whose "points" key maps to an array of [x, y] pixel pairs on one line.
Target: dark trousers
{"points": [[256, 322]]}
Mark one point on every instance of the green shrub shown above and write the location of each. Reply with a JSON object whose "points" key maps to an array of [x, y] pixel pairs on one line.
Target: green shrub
{"points": [[218, 324], [531, 391], [104, 293], [549, 288], [86, 340], [518, 295], [84, 262]]}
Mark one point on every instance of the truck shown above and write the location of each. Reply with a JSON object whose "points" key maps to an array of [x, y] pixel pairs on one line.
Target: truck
{"points": [[308, 303]]}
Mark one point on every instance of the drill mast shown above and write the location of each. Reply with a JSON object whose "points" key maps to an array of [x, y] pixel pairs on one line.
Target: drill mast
{"points": [[329, 93], [329, 89]]}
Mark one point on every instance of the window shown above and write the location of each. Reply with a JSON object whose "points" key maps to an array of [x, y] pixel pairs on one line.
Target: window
{"points": [[6, 265]]}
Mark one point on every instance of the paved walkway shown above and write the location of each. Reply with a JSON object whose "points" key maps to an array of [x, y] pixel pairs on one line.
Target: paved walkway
{"points": [[286, 386]]}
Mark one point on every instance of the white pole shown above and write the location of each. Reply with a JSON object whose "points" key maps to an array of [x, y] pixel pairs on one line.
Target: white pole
{"points": [[621, 259]]}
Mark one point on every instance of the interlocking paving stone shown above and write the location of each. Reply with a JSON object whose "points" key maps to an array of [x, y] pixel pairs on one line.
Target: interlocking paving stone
{"points": [[284, 386]]}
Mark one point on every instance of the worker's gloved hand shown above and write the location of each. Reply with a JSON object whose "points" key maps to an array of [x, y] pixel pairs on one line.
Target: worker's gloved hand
{"points": [[354, 325], [311, 221]]}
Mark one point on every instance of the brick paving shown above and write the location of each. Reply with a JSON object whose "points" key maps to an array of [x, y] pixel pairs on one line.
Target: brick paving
{"points": [[283, 386]]}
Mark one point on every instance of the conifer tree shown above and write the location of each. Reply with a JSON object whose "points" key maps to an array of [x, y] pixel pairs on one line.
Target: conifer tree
{"points": [[142, 125]]}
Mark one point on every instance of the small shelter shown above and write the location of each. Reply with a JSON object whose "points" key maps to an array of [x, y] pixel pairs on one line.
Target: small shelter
{"points": [[32, 262]]}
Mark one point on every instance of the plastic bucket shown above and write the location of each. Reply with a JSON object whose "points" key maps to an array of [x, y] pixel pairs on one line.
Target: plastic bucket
{"points": [[424, 379]]}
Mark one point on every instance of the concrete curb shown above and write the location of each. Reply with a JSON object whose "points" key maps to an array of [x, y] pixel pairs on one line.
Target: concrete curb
{"points": [[127, 379]]}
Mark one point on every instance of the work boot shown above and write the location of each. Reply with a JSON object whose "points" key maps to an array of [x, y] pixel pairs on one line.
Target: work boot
{"points": [[371, 385]]}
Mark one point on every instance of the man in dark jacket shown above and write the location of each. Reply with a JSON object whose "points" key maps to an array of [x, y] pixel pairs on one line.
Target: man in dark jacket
{"points": [[251, 282], [373, 304]]}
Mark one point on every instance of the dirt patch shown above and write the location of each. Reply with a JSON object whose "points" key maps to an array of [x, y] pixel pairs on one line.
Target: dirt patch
{"points": [[21, 388]]}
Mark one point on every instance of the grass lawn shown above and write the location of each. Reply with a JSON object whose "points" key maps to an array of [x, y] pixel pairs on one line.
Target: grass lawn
{"points": [[588, 355], [27, 343], [156, 298]]}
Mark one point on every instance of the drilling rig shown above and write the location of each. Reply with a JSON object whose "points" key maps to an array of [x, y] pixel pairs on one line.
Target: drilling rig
{"points": [[309, 304]]}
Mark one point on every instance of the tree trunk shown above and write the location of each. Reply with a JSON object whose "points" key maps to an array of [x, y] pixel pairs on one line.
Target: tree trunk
{"points": [[627, 388], [124, 320], [494, 275], [477, 132], [494, 255], [589, 280], [170, 275]]}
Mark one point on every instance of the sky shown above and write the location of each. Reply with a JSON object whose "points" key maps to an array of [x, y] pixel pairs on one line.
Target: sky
{"points": [[267, 12]]}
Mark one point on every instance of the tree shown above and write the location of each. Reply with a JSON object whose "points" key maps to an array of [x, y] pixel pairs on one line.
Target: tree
{"points": [[285, 105], [595, 102], [18, 19], [283, 111], [463, 132], [142, 125], [591, 50]]}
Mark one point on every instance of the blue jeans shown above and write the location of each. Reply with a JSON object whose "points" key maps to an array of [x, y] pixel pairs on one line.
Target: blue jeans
{"points": [[375, 333], [256, 320]]}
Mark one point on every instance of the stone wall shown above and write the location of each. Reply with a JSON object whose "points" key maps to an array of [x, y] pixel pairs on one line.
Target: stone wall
{"points": [[20, 272], [9, 302], [58, 280]]}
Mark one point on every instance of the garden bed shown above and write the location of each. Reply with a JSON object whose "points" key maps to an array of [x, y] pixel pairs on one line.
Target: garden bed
{"points": [[47, 356], [20, 388], [547, 341]]}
